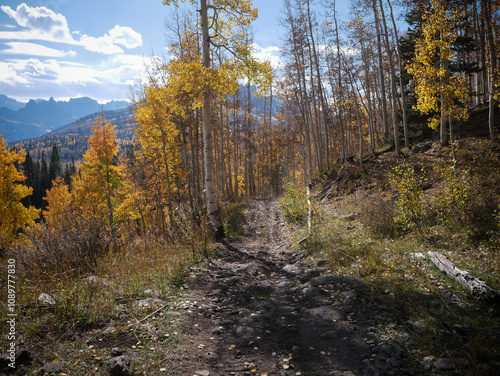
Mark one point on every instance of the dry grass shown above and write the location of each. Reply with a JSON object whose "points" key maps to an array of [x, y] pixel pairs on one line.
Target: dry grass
{"points": [[69, 330]]}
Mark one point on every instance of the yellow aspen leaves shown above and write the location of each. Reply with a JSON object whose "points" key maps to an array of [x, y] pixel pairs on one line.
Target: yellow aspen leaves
{"points": [[437, 89], [14, 216]]}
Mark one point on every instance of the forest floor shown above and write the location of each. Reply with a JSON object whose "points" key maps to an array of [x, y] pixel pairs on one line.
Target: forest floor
{"points": [[261, 308]]}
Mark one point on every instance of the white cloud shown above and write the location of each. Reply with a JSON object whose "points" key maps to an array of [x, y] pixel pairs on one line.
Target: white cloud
{"points": [[102, 44], [126, 36], [271, 54], [42, 23], [33, 49], [34, 78], [27, 72]]}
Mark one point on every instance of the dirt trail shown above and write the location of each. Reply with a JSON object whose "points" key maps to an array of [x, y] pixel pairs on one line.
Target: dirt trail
{"points": [[258, 310]]}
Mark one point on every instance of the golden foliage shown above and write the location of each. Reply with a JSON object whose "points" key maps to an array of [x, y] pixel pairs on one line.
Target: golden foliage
{"points": [[14, 216], [437, 89]]}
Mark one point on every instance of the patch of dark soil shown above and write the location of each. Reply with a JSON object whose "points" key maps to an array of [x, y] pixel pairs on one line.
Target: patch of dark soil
{"points": [[122, 340]]}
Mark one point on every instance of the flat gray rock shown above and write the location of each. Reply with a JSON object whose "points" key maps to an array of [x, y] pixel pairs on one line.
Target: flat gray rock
{"points": [[47, 299], [53, 367], [202, 373], [444, 364], [328, 313], [310, 291]]}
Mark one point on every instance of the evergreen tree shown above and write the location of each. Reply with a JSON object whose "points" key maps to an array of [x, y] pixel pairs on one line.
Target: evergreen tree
{"points": [[69, 170], [29, 168], [55, 168], [44, 182]]}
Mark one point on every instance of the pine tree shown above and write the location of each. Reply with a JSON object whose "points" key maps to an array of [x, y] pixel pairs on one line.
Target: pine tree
{"points": [[55, 168], [29, 168]]}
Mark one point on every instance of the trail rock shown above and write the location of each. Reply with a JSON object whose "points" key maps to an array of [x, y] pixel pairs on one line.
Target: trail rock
{"points": [[348, 306], [310, 291], [309, 274], [202, 373], [116, 351], [120, 366], [52, 367], [47, 299], [326, 313], [293, 269], [150, 302], [110, 329], [260, 287], [246, 321], [152, 293], [443, 364], [263, 305], [416, 326], [332, 334], [96, 281], [245, 331], [330, 279]]}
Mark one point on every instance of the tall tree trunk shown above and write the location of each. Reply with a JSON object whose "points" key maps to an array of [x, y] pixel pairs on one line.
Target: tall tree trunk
{"points": [[443, 132], [395, 126], [401, 83], [492, 81], [343, 146], [214, 219], [385, 126]]}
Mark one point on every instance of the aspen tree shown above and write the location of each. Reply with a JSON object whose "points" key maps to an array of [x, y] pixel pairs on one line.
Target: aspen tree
{"points": [[225, 16], [437, 90], [14, 216]]}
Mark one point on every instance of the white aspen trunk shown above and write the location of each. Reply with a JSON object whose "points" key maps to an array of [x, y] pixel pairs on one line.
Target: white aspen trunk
{"points": [[400, 64], [214, 220], [393, 83], [385, 126], [486, 5]]}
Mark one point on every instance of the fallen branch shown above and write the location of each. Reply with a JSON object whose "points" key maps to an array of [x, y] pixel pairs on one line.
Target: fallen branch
{"points": [[473, 284], [145, 318]]}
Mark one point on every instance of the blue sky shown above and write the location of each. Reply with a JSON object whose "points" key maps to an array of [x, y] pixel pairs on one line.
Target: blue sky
{"points": [[95, 48]]}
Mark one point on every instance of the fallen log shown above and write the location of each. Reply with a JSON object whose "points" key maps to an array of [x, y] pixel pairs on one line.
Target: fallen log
{"points": [[473, 284]]}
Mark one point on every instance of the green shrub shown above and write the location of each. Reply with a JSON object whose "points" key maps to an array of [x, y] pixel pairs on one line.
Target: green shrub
{"points": [[453, 199], [409, 202], [294, 204]]}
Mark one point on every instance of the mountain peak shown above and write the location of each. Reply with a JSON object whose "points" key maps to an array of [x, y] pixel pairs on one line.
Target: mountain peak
{"points": [[38, 117]]}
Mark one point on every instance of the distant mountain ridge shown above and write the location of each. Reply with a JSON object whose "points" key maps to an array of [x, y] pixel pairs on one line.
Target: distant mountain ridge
{"points": [[71, 140], [38, 117], [10, 103]]}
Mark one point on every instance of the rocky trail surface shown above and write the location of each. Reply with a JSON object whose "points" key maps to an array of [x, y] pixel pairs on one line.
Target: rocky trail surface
{"points": [[261, 308]]}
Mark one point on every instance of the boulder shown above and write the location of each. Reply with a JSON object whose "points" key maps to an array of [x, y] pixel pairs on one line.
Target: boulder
{"points": [[120, 366], [52, 367]]}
